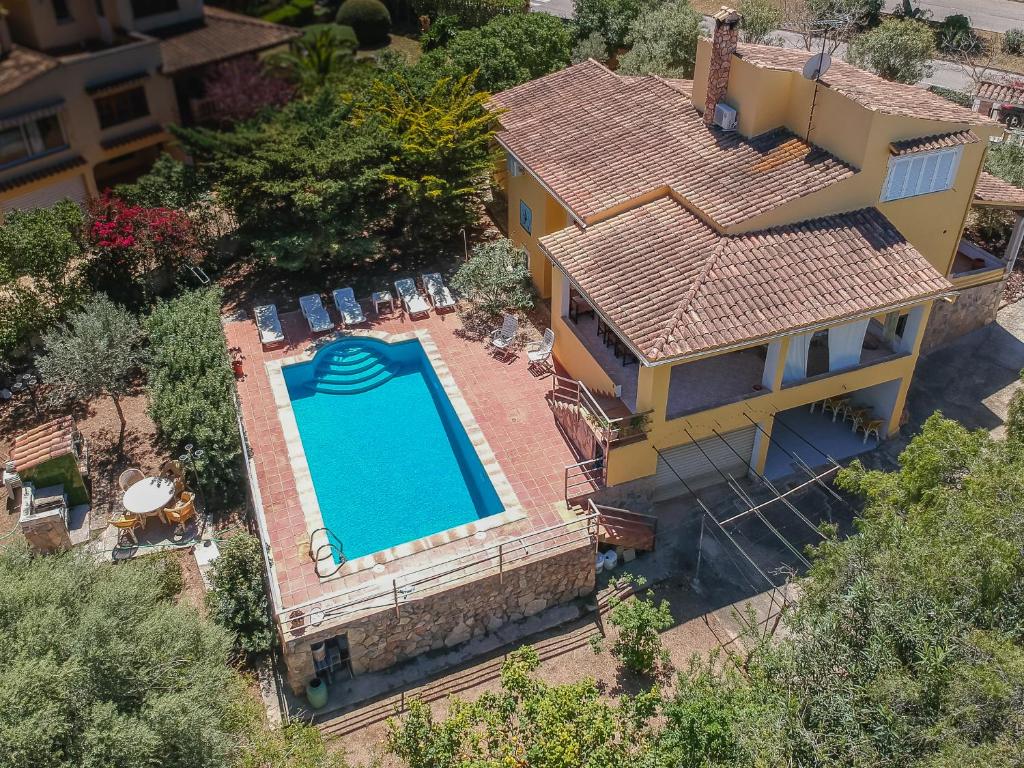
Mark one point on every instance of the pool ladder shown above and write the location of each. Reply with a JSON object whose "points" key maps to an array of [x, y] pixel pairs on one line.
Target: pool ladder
{"points": [[332, 547]]}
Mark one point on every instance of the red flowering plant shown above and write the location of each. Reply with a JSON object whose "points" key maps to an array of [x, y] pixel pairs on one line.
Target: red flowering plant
{"points": [[138, 245]]}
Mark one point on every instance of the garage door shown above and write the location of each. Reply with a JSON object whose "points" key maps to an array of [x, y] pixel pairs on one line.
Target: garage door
{"points": [[71, 189], [694, 467]]}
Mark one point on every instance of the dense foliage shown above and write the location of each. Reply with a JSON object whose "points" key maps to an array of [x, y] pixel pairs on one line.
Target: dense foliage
{"points": [[324, 54], [370, 19], [955, 35], [191, 387], [950, 94], [1006, 161], [1013, 42], [41, 253], [96, 352], [240, 89], [468, 13], [496, 277], [507, 51], [898, 49], [593, 46], [526, 723], [609, 18], [663, 41], [760, 20], [640, 622], [238, 599]]}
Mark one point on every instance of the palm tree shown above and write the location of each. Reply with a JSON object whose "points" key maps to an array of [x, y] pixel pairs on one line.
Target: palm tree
{"points": [[317, 56]]}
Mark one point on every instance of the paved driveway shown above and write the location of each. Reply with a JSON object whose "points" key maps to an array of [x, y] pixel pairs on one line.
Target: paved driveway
{"points": [[993, 15]]}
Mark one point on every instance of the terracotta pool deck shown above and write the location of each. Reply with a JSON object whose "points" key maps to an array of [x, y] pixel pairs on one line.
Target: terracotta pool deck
{"points": [[506, 399]]}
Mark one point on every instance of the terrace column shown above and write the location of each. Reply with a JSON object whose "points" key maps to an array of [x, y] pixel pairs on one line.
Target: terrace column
{"points": [[773, 364], [1016, 238], [910, 341]]}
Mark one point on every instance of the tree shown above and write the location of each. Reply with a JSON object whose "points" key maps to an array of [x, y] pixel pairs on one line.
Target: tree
{"points": [[593, 46], [41, 257], [640, 622], [96, 352], [322, 55], [169, 183], [238, 598], [191, 387], [829, 22], [505, 52], [526, 723], [241, 88], [760, 20], [663, 40], [898, 50], [496, 277], [609, 18]]}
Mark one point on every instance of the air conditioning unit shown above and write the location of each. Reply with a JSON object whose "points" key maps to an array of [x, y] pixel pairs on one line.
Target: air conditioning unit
{"points": [[725, 117]]}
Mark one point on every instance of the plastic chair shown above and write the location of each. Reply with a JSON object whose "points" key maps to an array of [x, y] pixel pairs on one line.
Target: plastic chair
{"points": [[172, 468], [126, 525], [129, 478], [181, 512]]}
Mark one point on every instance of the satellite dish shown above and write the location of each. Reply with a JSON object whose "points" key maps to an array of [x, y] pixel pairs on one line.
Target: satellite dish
{"points": [[817, 66]]}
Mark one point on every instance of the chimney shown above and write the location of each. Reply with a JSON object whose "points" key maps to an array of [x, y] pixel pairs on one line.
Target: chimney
{"points": [[723, 46]]}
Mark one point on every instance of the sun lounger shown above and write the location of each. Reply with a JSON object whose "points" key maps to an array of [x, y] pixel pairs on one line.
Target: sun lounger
{"points": [[539, 352], [412, 301], [501, 339], [349, 309], [269, 324], [315, 314], [437, 291]]}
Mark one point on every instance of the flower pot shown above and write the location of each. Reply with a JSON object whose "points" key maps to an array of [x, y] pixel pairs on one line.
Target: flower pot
{"points": [[316, 693], [236, 366]]}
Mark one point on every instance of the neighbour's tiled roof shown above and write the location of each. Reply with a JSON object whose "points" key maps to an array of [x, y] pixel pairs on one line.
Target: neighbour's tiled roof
{"points": [[41, 173], [675, 287], [929, 143], [994, 191], [1004, 93], [866, 89], [47, 441], [599, 140], [222, 35], [22, 65]]}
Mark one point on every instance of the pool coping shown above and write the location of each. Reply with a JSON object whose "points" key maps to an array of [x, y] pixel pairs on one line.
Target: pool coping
{"points": [[308, 501]]}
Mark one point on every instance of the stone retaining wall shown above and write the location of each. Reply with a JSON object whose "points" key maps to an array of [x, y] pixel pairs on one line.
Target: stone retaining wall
{"points": [[447, 618], [974, 308]]}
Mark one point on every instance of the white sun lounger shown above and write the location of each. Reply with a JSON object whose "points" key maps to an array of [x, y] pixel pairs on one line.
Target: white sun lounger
{"points": [[269, 324], [501, 339], [349, 309], [438, 292], [412, 301], [315, 314], [539, 352]]}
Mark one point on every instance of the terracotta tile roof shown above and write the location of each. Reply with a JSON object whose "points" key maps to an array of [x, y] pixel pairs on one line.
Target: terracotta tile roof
{"points": [[1004, 93], [994, 191], [222, 35], [599, 140], [42, 173], [22, 65], [675, 287], [47, 441], [929, 143], [866, 89]]}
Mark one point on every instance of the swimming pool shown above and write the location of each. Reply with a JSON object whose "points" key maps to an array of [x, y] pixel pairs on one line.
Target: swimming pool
{"points": [[388, 456]]}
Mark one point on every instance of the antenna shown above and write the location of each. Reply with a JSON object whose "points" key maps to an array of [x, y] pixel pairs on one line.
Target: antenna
{"points": [[819, 63]]}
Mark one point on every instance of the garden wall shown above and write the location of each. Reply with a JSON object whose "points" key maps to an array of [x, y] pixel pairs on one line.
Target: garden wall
{"points": [[449, 617]]}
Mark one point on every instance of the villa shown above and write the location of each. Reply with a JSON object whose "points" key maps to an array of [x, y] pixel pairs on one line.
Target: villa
{"points": [[723, 254], [87, 89]]}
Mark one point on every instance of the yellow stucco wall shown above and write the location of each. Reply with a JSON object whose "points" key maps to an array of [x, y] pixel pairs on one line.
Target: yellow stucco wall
{"points": [[548, 216]]}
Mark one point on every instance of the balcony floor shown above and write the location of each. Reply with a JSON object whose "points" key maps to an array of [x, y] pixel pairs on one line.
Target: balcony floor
{"points": [[624, 376], [714, 381]]}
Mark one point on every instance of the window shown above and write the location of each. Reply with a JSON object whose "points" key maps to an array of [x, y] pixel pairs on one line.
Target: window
{"points": [[143, 8], [921, 173], [60, 10], [31, 138], [122, 106], [525, 217], [514, 168]]}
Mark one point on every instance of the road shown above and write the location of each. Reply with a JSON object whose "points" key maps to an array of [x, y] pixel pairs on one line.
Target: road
{"points": [[993, 15], [944, 73]]}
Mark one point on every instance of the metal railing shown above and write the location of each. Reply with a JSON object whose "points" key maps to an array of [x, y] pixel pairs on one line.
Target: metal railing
{"points": [[583, 478], [613, 523], [492, 560], [330, 552], [566, 390]]}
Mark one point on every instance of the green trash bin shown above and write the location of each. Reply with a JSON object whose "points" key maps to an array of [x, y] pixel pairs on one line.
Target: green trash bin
{"points": [[316, 693]]}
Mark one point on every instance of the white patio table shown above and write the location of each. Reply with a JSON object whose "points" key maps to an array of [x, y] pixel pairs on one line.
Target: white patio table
{"points": [[149, 497]]}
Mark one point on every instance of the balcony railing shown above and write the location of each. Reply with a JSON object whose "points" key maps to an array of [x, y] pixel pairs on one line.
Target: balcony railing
{"points": [[610, 430]]}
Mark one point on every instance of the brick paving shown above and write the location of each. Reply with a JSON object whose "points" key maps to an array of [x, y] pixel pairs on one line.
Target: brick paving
{"points": [[507, 400]]}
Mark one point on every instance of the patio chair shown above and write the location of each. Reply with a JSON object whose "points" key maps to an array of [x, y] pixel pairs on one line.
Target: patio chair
{"points": [[437, 291], [872, 426], [539, 352], [181, 513], [347, 306], [269, 325], [126, 524], [412, 301], [315, 314], [129, 478], [501, 339], [172, 468]]}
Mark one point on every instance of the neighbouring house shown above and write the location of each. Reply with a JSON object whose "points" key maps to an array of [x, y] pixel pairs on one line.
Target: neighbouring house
{"points": [[1001, 101], [722, 255], [87, 89]]}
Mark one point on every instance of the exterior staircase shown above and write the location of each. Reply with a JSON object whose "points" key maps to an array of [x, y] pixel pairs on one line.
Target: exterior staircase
{"points": [[351, 370], [623, 528]]}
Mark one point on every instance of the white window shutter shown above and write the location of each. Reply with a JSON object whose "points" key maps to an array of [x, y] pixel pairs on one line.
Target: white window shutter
{"points": [[921, 174]]}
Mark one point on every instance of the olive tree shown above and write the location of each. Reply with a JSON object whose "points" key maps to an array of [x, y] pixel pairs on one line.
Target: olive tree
{"points": [[898, 50], [496, 277], [663, 41]]}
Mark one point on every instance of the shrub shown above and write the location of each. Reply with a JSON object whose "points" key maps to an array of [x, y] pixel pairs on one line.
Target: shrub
{"points": [[898, 50], [496, 277], [593, 46], [957, 97], [639, 622], [1013, 42], [440, 33], [370, 19], [663, 41], [468, 14], [955, 35], [760, 20], [191, 387], [238, 598]]}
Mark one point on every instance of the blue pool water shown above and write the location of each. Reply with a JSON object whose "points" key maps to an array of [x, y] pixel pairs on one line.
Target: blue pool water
{"points": [[389, 457]]}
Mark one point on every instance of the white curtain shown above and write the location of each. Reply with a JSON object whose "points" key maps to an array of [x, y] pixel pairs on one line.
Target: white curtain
{"points": [[796, 358], [844, 345]]}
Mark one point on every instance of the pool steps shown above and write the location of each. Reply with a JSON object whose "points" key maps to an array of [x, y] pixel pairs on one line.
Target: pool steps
{"points": [[349, 371]]}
